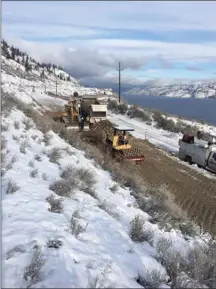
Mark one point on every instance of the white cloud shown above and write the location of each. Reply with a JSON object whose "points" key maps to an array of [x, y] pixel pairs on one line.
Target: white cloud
{"points": [[94, 50], [156, 16]]}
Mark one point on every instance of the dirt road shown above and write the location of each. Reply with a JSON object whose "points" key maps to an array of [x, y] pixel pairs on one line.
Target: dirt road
{"points": [[193, 192]]}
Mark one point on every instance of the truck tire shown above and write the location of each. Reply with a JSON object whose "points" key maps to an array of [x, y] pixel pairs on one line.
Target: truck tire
{"points": [[189, 159]]}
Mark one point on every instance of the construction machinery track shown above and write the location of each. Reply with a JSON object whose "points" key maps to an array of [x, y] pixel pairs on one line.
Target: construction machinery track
{"points": [[193, 191]]}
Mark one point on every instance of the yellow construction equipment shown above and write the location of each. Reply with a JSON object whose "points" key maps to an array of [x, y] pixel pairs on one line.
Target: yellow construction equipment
{"points": [[71, 116], [119, 145]]}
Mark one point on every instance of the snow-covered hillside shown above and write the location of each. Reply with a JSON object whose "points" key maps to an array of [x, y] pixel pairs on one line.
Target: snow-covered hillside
{"points": [[205, 89], [67, 224], [22, 72]]}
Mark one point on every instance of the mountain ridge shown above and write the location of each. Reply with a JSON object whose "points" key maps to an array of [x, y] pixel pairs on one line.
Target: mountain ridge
{"points": [[205, 89]]}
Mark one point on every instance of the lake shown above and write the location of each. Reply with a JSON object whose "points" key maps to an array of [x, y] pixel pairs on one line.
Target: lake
{"points": [[190, 108]]}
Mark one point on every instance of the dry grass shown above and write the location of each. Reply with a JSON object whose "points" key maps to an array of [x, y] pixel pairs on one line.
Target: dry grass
{"points": [[12, 187], [100, 280], [64, 188], [76, 228], [7, 162], [84, 178], [109, 208], [54, 155], [136, 231], [32, 272]]}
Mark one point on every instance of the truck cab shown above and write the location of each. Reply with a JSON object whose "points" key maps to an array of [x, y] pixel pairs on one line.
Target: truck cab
{"points": [[212, 161]]}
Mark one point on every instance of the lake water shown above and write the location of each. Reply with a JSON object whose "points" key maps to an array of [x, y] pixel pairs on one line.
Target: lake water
{"points": [[190, 108]]}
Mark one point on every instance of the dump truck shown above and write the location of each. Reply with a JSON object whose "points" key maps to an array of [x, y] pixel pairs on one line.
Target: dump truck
{"points": [[93, 110], [200, 150]]}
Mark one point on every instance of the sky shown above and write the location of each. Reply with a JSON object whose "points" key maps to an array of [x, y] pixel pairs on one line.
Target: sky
{"points": [[156, 41]]}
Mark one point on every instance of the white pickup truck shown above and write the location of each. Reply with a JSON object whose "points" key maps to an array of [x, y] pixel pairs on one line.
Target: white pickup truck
{"points": [[200, 150]]}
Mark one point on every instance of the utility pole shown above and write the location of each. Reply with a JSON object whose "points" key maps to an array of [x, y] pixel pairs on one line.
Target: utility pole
{"points": [[56, 86], [119, 69]]}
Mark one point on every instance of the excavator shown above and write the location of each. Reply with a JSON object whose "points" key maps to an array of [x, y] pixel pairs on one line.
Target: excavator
{"points": [[71, 116], [120, 147]]}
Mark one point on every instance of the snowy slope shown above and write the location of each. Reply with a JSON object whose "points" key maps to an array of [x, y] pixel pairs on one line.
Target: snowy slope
{"points": [[104, 245], [14, 73], [205, 89]]}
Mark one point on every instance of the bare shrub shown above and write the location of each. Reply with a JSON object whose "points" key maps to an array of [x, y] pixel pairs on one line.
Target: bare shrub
{"points": [[171, 259], [54, 243], [14, 137], [107, 207], [136, 231], [82, 177], [114, 188], [201, 265], [16, 124], [44, 176], [139, 113], [56, 205], [34, 137], [151, 279], [75, 228], [4, 127], [7, 162], [15, 250], [46, 139], [34, 173], [63, 188], [12, 187], [55, 155], [68, 151], [32, 272], [100, 280], [87, 178], [24, 145], [31, 164], [28, 123], [38, 158], [184, 281], [3, 143], [14, 159], [68, 172]]}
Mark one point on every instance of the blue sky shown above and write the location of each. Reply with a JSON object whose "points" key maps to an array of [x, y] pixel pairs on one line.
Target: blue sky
{"points": [[164, 39]]}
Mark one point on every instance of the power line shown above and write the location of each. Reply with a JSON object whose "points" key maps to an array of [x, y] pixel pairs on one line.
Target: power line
{"points": [[119, 69]]}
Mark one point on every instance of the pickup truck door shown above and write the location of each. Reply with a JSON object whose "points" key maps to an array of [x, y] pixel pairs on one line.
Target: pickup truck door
{"points": [[212, 161]]}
